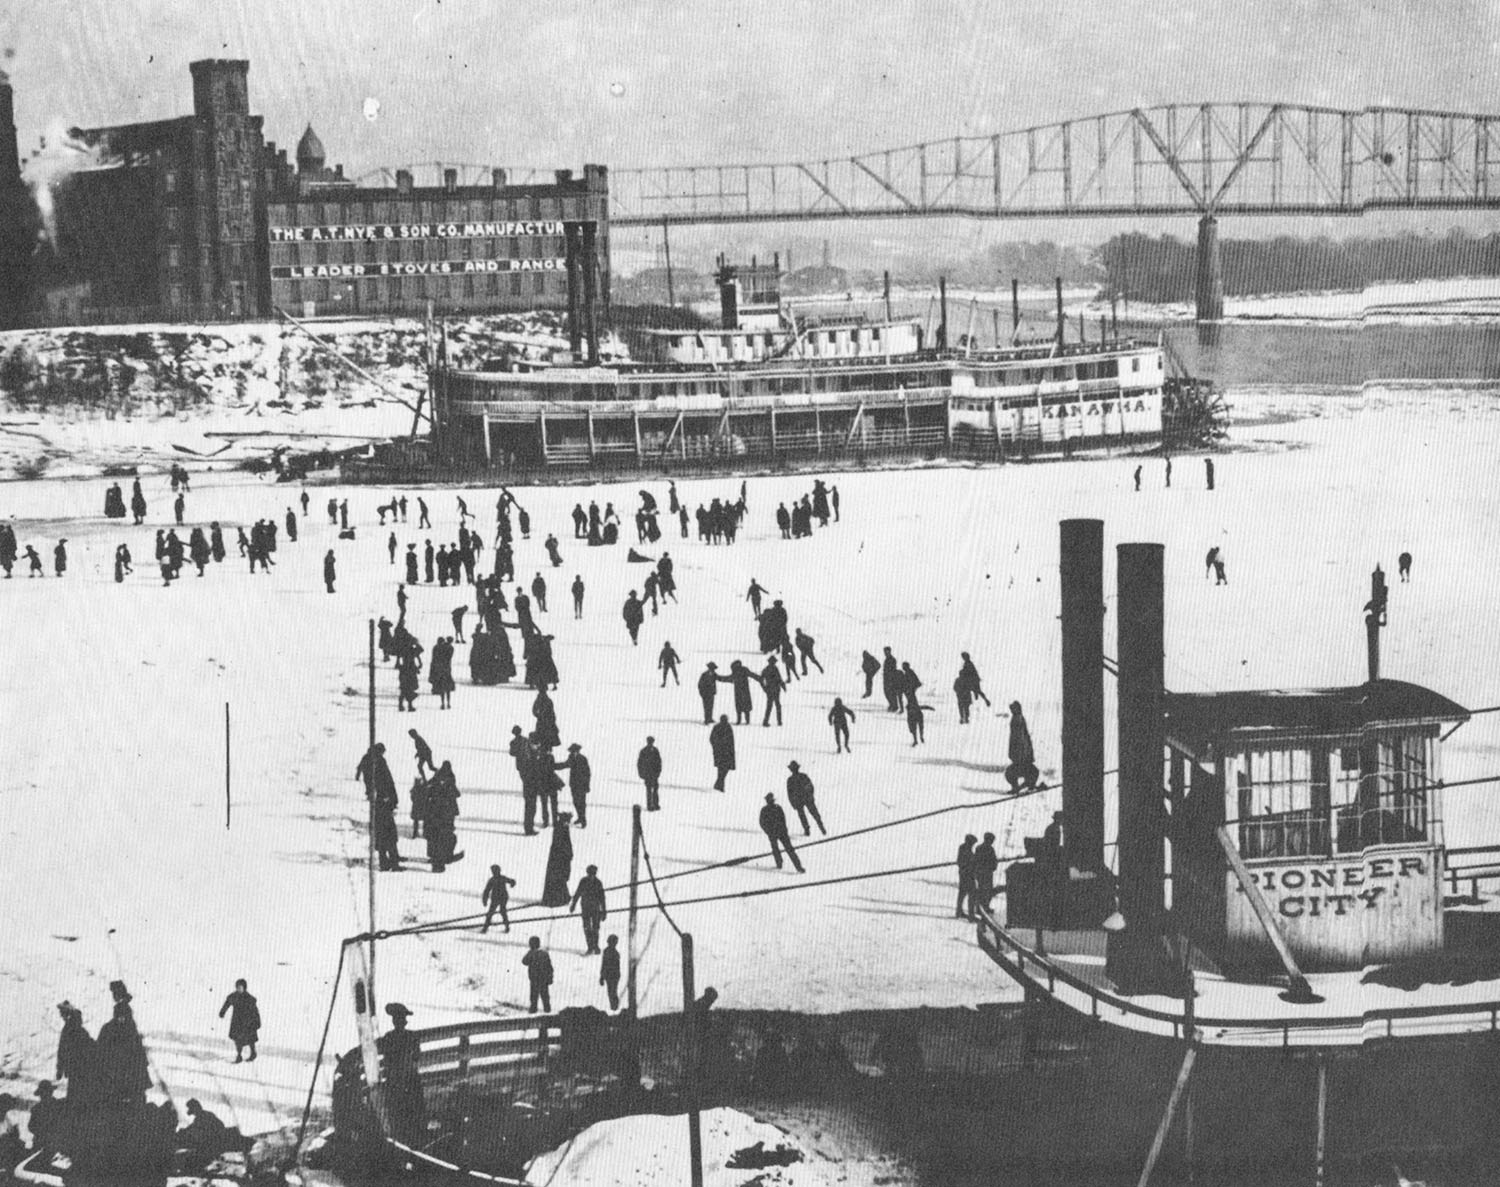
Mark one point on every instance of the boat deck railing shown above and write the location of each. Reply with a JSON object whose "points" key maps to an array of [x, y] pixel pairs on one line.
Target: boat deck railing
{"points": [[1037, 971]]}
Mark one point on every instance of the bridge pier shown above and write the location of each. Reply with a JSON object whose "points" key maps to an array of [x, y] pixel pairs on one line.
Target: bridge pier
{"points": [[1210, 280]]}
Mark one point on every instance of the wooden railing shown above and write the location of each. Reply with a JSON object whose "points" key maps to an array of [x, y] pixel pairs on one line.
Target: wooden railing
{"points": [[1036, 971]]}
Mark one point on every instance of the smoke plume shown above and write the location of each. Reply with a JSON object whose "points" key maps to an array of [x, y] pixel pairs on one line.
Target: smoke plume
{"points": [[60, 155]]}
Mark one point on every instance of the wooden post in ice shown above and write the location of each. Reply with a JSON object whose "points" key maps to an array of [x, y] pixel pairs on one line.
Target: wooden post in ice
{"points": [[635, 877], [370, 795], [690, 1036]]}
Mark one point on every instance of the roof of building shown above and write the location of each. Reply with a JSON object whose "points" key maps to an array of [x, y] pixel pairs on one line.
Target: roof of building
{"points": [[310, 149], [1203, 718]]}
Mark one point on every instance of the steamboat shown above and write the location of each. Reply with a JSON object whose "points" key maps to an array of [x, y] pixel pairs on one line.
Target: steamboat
{"points": [[768, 386]]}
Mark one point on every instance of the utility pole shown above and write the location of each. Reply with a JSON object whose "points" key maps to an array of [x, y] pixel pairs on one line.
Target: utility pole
{"points": [[635, 878], [370, 795], [690, 1025]]}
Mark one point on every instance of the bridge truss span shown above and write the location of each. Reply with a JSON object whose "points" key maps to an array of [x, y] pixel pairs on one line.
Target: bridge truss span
{"points": [[1204, 159]]}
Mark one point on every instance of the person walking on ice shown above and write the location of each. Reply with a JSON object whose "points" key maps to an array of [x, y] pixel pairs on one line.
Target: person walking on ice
{"points": [[538, 974], [721, 742], [839, 717], [634, 615], [757, 591], [773, 824], [648, 767], [1403, 566], [799, 793], [870, 666], [609, 971], [496, 898], [244, 1020], [667, 662], [577, 595], [1022, 772], [588, 900], [1208, 471], [708, 687], [772, 684], [965, 907], [330, 572]]}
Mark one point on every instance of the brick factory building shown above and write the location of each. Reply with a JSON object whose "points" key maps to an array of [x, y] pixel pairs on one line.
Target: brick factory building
{"points": [[199, 218]]}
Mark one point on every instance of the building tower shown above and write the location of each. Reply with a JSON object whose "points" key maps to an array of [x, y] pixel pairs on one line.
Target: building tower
{"points": [[16, 237], [310, 156], [233, 149]]}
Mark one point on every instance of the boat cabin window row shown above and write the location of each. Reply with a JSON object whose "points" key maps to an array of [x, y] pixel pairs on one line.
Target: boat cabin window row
{"points": [[1333, 797]]}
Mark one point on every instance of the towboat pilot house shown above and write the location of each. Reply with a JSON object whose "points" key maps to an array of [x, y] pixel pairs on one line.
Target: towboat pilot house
{"points": [[1331, 799]]}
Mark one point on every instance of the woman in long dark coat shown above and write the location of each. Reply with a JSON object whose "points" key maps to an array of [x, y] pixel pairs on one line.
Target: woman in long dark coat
{"points": [[555, 892], [721, 741], [244, 1019], [75, 1055], [546, 719]]}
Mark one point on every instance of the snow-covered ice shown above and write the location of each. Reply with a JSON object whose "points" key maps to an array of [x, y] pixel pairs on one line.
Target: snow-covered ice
{"points": [[117, 861]]}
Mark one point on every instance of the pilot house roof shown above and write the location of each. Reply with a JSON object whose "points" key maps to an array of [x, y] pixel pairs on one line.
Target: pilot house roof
{"points": [[1203, 721]]}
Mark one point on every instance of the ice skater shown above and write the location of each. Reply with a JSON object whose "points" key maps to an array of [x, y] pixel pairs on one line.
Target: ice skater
{"points": [[1403, 566], [496, 899], [839, 717], [538, 974], [1022, 772], [721, 742], [648, 767], [667, 662], [800, 793], [244, 1021], [773, 824], [588, 901]]}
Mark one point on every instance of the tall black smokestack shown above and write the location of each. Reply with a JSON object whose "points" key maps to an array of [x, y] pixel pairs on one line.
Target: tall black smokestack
{"points": [[942, 334], [1015, 307], [1082, 566], [1059, 312], [1136, 959]]}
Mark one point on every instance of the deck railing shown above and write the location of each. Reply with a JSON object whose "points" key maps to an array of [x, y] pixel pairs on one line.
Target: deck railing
{"points": [[1037, 971]]}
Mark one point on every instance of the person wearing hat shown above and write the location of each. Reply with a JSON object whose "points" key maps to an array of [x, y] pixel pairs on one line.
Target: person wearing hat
{"points": [[634, 615], [538, 974], [579, 778], [588, 900], [60, 558], [380, 790], [577, 588], [799, 793], [708, 686], [773, 824], [46, 1116], [244, 1017], [648, 767], [399, 1049]]}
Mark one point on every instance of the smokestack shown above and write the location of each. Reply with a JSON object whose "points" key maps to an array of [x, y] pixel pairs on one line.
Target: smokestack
{"points": [[450, 179], [1374, 620], [590, 296], [497, 178], [1059, 312], [1137, 960], [942, 334], [570, 255], [1015, 307], [1082, 568]]}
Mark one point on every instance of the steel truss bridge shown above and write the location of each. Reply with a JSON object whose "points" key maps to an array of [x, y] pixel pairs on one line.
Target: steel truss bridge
{"points": [[1206, 159]]}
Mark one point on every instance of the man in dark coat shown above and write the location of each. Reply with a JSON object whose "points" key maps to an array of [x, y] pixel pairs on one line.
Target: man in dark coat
{"points": [[60, 558], [708, 685], [1022, 772], [538, 974], [965, 907], [411, 564], [773, 824], [648, 767], [985, 865], [870, 666], [428, 563], [559, 875], [120, 1057], [205, 1135], [634, 614], [784, 521], [539, 592], [754, 596], [772, 684], [330, 573], [399, 1049], [741, 677], [721, 741], [588, 900], [45, 1118], [890, 680], [579, 779], [805, 643], [75, 1054], [244, 1018], [799, 793], [609, 970], [380, 790], [522, 752], [577, 596], [496, 897], [137, 502]]}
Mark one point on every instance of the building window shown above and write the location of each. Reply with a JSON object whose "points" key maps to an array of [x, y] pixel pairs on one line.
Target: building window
{"points": [[494, 284], [169, 181], [1135, 364], [538, 282], [320, 253], [515, 284], [174, 294], [174, 256], [469, 286], [395, 288]]}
